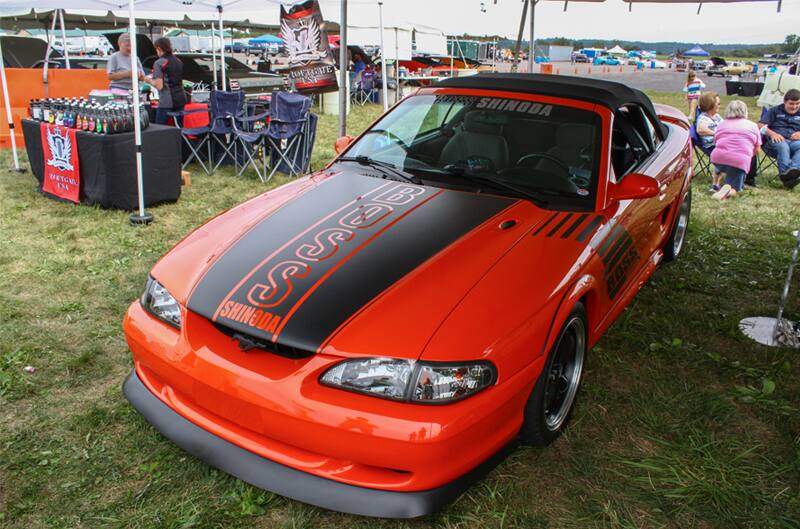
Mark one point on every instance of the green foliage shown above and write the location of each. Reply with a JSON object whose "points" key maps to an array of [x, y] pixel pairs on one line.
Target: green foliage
{"points": [[791, 44]]}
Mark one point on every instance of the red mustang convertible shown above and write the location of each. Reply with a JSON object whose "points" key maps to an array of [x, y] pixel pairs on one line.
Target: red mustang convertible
{"points": [[375, 337]]}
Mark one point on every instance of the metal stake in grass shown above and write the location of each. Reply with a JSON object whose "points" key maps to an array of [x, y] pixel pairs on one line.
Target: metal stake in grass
{"points": [[776, 331]]}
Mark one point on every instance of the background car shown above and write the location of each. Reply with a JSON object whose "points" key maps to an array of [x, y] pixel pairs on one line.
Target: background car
{"points": [[236, 47], [580, 57], [737, 68], [717, 67]]}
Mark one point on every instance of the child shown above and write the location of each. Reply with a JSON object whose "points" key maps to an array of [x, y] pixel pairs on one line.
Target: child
{"points": [[694, 87]]}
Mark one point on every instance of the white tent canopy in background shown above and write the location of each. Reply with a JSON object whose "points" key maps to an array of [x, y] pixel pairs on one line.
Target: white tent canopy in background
{"points": [[617, 50]]}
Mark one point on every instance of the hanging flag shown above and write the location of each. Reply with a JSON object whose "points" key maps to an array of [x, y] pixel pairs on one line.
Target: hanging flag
{"points": [[312, 68], [62, 175]]}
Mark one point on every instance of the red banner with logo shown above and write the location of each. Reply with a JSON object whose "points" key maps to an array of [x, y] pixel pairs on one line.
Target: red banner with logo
{"points": [[62, 175], [312, 67]]}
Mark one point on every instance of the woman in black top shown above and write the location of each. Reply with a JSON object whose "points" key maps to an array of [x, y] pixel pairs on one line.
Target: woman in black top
{"points": [[167, 78]]}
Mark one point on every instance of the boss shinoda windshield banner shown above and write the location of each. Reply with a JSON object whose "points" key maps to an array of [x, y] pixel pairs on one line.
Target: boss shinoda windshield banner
{"points": [[312, 68], [62, 175]]}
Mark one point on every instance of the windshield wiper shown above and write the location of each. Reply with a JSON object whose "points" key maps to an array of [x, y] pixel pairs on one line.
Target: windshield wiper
{"points": [[391, 169], [478, 178]]}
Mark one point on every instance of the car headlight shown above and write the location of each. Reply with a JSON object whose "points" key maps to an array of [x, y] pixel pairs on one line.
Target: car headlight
{"points": [[411, 381], [159, 302]]}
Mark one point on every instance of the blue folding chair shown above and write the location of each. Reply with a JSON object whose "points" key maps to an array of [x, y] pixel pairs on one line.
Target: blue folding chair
{"points": [[224, 108], [287, 134], [364, 88], [251, 133], [765, 161], [702, 153]]}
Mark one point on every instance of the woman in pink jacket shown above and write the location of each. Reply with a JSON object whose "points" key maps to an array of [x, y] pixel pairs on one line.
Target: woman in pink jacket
{"points": [[737, 141]]}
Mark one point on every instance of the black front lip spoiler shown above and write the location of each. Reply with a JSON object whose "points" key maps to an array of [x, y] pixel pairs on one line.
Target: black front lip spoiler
{"points": [[291, 483]]}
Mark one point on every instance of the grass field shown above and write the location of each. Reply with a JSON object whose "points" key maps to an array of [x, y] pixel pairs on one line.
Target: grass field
{"points": [[682, 422]]}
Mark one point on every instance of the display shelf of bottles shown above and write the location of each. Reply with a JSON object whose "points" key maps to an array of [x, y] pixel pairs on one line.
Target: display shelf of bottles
{"points": [[77, 113]]}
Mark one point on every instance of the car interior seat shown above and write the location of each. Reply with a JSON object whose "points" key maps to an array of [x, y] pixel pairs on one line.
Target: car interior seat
{"points": [[479, 135], [574, 146]]}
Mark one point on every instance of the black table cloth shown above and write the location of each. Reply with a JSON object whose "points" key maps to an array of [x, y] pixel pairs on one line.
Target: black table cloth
{"points": [[108, 165]]}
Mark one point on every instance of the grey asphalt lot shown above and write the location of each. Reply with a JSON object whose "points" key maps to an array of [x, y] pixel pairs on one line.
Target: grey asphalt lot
{"points": [[664, 80]]}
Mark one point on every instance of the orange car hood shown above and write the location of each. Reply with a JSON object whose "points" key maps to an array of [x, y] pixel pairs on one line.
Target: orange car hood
{"points": [[299, 265]]}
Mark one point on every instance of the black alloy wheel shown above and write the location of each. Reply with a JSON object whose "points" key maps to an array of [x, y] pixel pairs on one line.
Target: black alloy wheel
{"points": [[550, 405]]}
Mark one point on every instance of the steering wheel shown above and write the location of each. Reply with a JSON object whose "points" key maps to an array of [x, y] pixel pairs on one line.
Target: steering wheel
{"points": [[391, 136], [545, 156]]}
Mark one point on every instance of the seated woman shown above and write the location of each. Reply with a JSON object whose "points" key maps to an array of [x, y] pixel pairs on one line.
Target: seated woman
{"points": [[737, 141]]}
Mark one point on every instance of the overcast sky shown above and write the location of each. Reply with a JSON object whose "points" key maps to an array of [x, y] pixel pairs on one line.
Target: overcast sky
{"points": [[756, 22]]}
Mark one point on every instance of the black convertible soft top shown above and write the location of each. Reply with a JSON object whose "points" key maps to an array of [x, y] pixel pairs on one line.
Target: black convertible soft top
{"points": [[607, 93]]}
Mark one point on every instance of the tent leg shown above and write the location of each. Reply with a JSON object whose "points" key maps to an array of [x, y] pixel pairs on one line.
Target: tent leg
{"points": [[222, 49], [343, 88], [214, 56], [532, 53], [515, 64], [385, 89], [45, 68], [64, 37], [9, 115], [142, 217]]}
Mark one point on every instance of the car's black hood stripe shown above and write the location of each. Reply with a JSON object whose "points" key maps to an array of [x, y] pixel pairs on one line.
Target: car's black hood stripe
{"points": [[305, 269], [410, 242]]}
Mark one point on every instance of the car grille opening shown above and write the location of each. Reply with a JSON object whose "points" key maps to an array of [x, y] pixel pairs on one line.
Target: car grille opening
{"points": [[248, 342]]}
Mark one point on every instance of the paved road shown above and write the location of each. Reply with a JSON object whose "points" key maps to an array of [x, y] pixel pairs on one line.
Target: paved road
{"points": [[666, 80]]}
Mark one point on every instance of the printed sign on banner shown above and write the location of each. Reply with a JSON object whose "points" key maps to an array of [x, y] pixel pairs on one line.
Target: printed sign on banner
{"points": [[61, 169], [312, 68]]}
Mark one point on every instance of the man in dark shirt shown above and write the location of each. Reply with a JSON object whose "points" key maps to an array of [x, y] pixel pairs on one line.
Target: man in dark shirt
{"points": [[782, 129]]}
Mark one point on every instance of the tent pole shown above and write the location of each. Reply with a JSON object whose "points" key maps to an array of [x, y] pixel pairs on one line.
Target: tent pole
{"points": [[385, 88], [142, 217], [532, 53], [221, 48], [9, 116], [343, 88], [515, 64], [396, 66], [213, 55], [47, 55], [64, 37]]}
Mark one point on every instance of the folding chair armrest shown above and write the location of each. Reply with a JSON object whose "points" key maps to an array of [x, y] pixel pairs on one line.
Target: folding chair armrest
{"points": [[255, 117]]}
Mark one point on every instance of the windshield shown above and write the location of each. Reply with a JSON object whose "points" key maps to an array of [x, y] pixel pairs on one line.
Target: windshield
{"points": [[550, 151]]}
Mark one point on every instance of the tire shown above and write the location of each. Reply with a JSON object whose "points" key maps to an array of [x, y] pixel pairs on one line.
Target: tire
{"points": [[674, 245], [547, 414]]}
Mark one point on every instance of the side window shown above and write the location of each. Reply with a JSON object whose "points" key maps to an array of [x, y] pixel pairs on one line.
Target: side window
{"points": [[650, 129], [628, 145], [643, 126]]}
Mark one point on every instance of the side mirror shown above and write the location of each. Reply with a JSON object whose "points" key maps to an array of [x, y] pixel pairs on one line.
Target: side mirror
{"points": [[634, 185], [342, 143]]}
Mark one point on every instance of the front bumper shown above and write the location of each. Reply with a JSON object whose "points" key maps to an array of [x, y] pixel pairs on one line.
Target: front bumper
{"points": [[292, 483]]}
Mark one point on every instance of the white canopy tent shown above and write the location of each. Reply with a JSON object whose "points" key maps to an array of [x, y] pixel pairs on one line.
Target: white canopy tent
{"points": [[617, 50]]}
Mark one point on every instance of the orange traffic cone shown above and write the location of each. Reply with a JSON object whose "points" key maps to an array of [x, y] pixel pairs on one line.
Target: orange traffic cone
{"points": [[558, 71]]}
